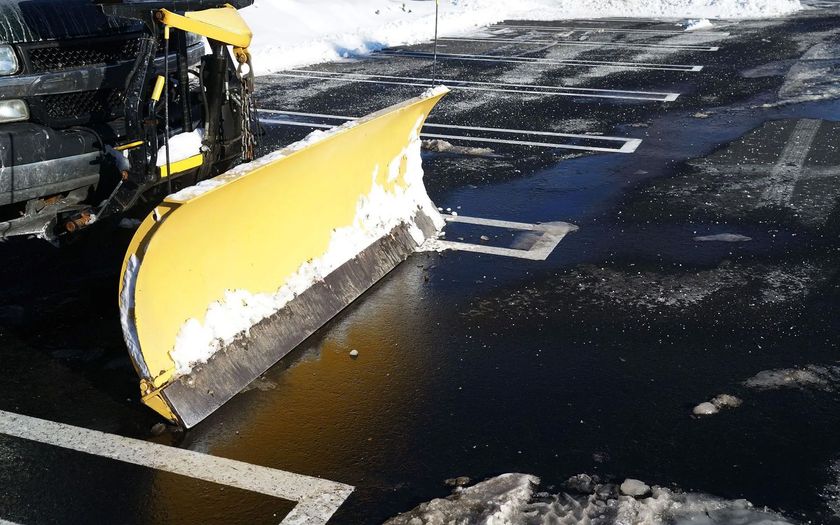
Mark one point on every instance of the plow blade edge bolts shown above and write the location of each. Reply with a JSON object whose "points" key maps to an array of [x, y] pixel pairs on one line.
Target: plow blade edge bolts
{"points": [[225, 278]]}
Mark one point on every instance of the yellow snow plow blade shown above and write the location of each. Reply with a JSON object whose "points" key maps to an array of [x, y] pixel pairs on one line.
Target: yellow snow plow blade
{"points": [[225, 278]]}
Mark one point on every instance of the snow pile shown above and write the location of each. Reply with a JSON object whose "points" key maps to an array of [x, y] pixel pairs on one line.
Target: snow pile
{"points": [[831, 492], [716, 404], [697, 25], [498, 500], [294, 33], [510, 499], [377, 214], [815, 377]]}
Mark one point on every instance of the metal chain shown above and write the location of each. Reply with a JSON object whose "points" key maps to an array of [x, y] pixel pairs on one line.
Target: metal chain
{"points": [[249, 113]]}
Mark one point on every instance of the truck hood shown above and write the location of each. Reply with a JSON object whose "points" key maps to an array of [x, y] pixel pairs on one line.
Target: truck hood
{"points": [[42, 20]]}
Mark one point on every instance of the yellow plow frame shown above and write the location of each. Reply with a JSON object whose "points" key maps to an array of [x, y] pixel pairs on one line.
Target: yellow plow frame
{"points": [[237, 248]]}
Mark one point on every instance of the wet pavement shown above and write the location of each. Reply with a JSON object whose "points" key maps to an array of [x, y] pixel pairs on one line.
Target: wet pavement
{"points": [[705, 263]]}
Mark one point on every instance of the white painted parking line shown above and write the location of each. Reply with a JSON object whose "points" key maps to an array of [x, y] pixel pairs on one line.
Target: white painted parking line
{"points": [[589, 43], [627, 148], [613, 30], [7, 522], [789, 166], [456, 126], [495, 87], [627, 145], [629, 19], [542, 61], [318, 499], [548, 236]]}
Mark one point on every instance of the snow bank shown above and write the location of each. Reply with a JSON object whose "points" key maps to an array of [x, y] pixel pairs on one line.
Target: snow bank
{"points": [[498, 500], [294, 33], [697, 25], [814, 377], [510, 499]]}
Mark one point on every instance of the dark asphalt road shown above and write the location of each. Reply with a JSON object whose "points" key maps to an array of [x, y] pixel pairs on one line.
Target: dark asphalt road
{"points": [[475, 365]]}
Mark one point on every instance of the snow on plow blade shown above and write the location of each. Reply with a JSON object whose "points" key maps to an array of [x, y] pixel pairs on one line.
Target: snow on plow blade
{"points": [[225, 278]]}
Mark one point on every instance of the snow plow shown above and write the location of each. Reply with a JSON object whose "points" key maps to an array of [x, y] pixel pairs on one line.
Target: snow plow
{"points": [[225, 277]]}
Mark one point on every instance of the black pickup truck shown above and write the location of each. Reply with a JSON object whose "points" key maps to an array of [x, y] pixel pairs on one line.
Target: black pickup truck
{"points": [[63, 71]]}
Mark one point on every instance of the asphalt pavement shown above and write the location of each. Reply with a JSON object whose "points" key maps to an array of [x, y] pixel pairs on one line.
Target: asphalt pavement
{"points": [[696, 176]]}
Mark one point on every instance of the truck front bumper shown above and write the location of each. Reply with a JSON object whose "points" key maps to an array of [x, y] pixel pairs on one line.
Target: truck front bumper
{"points": [[37, 161]]}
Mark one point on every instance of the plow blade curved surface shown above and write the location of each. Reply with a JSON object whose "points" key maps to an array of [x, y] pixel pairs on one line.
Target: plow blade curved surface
{"points": [[225, 278]]}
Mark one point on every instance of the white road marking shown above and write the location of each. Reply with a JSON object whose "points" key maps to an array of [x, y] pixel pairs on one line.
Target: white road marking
{"points": [[615, 30], [455, 126], [522, 89], [318, 499], [628, 145], [788, 169], [7, 522], [760, 170], [549, 236], [589, 43], [543, 61], [632, 19]]}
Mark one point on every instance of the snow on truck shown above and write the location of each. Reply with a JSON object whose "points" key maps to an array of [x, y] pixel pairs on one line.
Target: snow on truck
{"points": [[112, 106]]}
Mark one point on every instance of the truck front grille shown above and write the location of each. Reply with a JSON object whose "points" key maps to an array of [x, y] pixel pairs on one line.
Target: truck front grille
{"points": [[75, 54], [82, 107]]}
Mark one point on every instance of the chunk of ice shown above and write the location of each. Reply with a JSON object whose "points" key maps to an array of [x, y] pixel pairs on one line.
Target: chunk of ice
{"points": [[726, 401], [705, 409], [634, 487]]}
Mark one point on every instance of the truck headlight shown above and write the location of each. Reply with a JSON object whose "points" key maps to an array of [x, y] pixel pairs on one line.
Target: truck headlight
{"points": [[8, 60], [13, 110]]}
